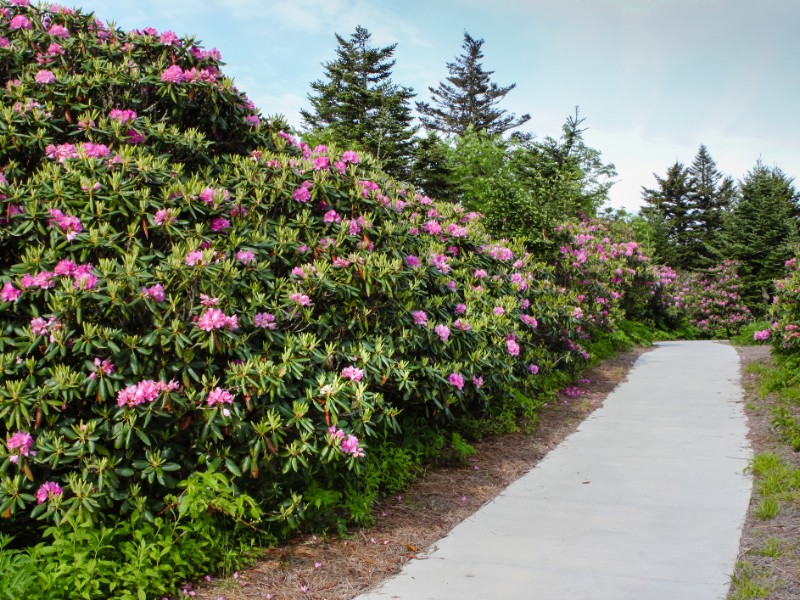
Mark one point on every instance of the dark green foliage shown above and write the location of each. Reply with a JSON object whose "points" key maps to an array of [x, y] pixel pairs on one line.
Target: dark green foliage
{"points": [[668, 210], [761, 233], [469, 99], [526, 188], [710, 198], [359, 106], [431, 171]]}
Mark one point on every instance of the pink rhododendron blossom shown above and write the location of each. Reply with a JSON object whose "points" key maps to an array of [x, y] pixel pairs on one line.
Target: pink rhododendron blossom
{"points": [[61, 152], [512, 346], [462, 325], [340, 262], [322, 163], [456, 230], [529, 320], [164, 216], [19, 444], [4, 42], [246, 257], [10, 293], [439, 262], [480, 274], [498, 311], [432, 227], [264, 321], [443, 331], [533, 369], [19, 22], [331, 217], [57, 30], [213, 318], [208, 300], [456, 380], [300, 299], [44, 77], [194, 258], [105, 366], [412, 261], [144, 391], [219, 396], [84, 281], [302, 194], [335, 432], [169, 38], [94, 150], [220, 224], [451, 285], [761, 336], [173, 74], [135, 137], [350, 157], [420, 318], [460, 308], [477, 381], [350, 446], [47, 491], [352, 373], [68, 224]]}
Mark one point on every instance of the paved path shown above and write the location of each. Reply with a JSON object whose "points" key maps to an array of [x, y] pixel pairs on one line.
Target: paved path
{"points": [[644, 502]]}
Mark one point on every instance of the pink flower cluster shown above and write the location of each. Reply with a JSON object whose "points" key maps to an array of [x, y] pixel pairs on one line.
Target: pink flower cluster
{"points": [[47, 491], [420, 317], [456, 380], [303, 193], [68, 224], [353, 373], [219, 396], [19, 444], [264, 321], [144, 391], [761, 336], [349, 443], [176, 75], [300, 299], [62, 152], [123, 116], [213, 318], [443, 331], [154, 292]]}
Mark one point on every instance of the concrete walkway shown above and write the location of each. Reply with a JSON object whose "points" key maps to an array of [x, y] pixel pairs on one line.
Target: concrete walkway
{"points": [[644, 502]]}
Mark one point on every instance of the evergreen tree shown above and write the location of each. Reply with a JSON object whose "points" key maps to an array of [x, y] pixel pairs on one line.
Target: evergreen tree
{"points": [[358, 106], [431, 171], [668, 209], [709, 199], [469, 99], [760, 231]]}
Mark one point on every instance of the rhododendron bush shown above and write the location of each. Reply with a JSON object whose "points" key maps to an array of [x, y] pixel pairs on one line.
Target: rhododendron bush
{"points": [[712, 301], [784, 332], [186, 288]]}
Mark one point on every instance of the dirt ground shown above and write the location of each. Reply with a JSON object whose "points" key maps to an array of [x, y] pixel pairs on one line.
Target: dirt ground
{"points": [[331, 568], [769, 551]]}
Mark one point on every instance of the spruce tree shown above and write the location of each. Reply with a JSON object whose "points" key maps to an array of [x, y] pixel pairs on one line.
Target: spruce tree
{"points": [[469, 98], [668, 209], [358, 106], [710, 199], [760, 231]]}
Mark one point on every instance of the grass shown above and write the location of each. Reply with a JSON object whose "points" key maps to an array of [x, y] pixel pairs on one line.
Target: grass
{"points": [[747, 584]]}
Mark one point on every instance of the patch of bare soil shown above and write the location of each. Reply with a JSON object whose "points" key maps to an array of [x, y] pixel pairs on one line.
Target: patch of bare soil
{"points": [[331, 568], [769, 550]]}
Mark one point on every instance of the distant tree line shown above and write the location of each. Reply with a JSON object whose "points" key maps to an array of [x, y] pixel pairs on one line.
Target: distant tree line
{"points": [[696, 217]]}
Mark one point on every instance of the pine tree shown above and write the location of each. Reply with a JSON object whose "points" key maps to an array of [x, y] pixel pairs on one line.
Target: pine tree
{"points": [[430, 170], [469, 98], [709, 199], [358, 106], [760, 231], [668, 209]]}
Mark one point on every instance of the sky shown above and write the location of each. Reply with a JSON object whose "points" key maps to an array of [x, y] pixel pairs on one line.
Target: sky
{"points": [[653, 78]]}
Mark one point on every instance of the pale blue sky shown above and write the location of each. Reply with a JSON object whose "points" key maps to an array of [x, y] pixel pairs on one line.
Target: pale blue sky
{"points": [[655, 78]]}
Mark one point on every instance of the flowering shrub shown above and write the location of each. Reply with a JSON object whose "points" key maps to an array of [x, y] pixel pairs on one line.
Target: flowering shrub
{"points": [[612, 277], [712, 302], [186, 289], [784, 332]]}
